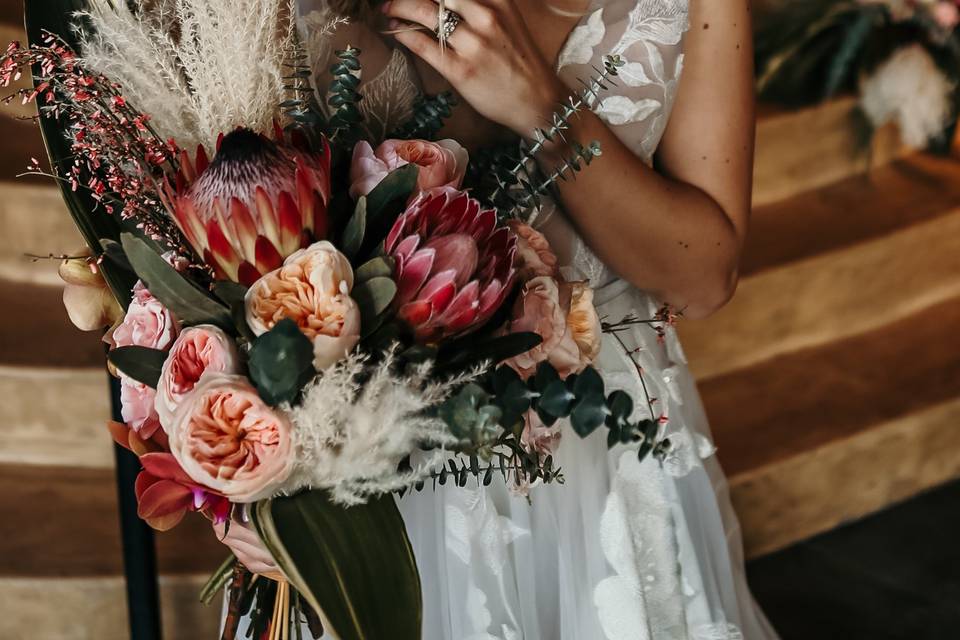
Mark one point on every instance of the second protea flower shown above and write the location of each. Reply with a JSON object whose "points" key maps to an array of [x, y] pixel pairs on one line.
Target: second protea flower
{"points": [[455, 264], [254, 204]]}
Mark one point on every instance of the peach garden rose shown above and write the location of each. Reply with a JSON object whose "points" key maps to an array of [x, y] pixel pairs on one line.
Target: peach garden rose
{"points": [[442, 163], [312, 288], [226, 438], [534, 255], [562, 313], [197, 351]]}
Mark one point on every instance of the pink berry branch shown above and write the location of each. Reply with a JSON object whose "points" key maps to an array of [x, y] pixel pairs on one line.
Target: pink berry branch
{"points": [[115, 153]]}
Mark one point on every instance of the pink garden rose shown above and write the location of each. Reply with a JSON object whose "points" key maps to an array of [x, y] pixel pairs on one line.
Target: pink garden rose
{"points": [[442, 163], [137, 407], [147, 323], [312, 288], [534, 255], [226, 438], [197, 351], [563, 315]]}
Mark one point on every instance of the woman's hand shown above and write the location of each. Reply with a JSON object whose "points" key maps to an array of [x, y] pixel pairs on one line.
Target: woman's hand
{"points": [[490, 59], [248, 548]]}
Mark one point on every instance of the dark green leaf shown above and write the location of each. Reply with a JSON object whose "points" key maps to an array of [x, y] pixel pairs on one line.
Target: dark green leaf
{"points": [[588, 414], [621, 406], [588, 382], [356, 229], [140, 363], [281, 362], [229, 292], [379, 267], [556, 399], [191, 305], [494, 350], [386, 201], [649, 429], [353, 563], [374, 297]]}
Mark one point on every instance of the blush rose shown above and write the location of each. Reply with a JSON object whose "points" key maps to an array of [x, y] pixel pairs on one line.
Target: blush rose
{"points": [[197, 351], [226, 438], [441, 164]]}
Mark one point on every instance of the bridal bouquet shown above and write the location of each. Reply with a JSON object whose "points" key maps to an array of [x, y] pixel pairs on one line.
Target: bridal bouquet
{"points": [[307, 321]]}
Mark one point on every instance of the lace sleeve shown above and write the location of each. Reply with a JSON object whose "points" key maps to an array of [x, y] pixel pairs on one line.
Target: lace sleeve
{"points": [[648, 35]]}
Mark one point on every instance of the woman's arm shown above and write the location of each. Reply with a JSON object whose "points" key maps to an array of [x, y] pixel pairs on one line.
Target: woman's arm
{"points": [[677, 233]]}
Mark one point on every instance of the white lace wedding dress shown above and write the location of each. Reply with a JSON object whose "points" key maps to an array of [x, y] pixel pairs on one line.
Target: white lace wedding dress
{"points": [[623, 550]]}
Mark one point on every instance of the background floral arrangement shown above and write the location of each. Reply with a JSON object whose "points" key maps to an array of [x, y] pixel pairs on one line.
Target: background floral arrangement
{"points": [[902, 57], [306, 320]]}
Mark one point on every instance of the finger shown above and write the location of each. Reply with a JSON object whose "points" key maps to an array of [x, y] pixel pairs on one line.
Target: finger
{"points": [[425, 13], [479, 15], [425, 46]]}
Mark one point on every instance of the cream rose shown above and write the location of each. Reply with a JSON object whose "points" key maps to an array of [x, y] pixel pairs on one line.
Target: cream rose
{"points": [[197, 351], [442, 163], [312, 288], [228, 439], [86, 296]]}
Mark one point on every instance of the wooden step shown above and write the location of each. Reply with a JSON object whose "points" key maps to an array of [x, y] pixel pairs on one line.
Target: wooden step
{"points": [[800, 150], [35, 221], [74, 531], [54, 416], [821, 436], [836, 262], [94, 608]]}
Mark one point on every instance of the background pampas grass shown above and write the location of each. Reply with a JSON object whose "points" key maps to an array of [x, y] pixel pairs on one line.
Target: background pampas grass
{"points": [[198, 67], [910, 90]]}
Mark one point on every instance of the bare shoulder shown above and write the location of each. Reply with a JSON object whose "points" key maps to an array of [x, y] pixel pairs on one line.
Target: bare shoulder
{"points": [[709, 140]]}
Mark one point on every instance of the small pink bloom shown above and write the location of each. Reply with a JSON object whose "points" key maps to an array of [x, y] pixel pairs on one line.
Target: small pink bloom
{"points": [[563, 315], [534, 255], [538, 437], [137, 407], [147, 323], [442, 163], [226, 438], [197, 351]]}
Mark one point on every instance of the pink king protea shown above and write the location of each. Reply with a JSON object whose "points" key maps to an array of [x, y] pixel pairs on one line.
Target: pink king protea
{"points": [[254, 204], [455, 264]]}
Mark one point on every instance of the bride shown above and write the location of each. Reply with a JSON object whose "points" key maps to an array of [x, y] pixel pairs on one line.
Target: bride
{"points": [[625, 550]]}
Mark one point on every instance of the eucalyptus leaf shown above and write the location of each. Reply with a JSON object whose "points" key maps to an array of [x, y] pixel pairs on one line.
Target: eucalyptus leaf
{"points": [[354, 565], [374, 297], [140, 363], [281, 362], [356, 229], [191, 305], [589, 413], [379, 267]]}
